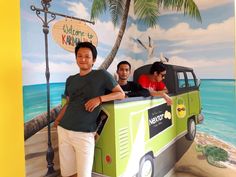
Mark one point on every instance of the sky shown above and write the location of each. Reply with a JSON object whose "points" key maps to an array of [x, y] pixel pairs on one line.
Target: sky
{"points": [[207, 46]]}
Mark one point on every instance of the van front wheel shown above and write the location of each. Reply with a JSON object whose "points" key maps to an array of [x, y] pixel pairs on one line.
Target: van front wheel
{"points": [[191, 130], [146, 168]]}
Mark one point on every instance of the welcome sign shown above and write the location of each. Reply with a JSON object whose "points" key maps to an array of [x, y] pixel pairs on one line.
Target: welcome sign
{"points": [[67, 33]]}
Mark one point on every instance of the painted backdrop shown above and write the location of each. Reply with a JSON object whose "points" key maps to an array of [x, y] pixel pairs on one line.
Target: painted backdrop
{"points": [[207, 47]]}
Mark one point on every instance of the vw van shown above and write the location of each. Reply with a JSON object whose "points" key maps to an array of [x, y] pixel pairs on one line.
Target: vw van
{"points": [[134, 131]]}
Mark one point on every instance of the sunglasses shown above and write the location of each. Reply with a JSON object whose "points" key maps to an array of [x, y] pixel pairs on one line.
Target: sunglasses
{"points": [[181, 109], [163, 75]]}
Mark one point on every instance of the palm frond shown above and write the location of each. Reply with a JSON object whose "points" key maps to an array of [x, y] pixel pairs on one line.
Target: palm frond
{"points": [[98, 7], [116, 8], [146, 11], [187, 6]]}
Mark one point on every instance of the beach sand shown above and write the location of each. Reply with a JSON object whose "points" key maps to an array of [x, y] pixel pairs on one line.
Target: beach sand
{"points": [[194, 164], [35, 153], [191, 164]]}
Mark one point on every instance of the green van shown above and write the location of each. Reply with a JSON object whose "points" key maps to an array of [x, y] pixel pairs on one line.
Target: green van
{"points": [[134, 131]]}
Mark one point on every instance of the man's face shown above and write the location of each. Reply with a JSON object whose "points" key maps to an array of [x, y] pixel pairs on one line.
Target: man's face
{"points": [[123, 72], [85, 59], [159, 77]]}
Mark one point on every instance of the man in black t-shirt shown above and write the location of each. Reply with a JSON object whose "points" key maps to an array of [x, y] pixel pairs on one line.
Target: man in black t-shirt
{"points": [[131, 89], [76, 122]]}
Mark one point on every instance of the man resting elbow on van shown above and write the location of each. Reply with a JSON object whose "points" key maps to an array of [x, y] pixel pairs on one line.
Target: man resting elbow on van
{"points": [[154, 81]]}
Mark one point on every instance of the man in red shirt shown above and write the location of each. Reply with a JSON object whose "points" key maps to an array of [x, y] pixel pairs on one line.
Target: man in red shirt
{"points": [[154, 81]]}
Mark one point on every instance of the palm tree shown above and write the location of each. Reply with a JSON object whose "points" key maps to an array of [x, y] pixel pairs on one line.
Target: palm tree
{"points": [[39, 122], [146, 11]]}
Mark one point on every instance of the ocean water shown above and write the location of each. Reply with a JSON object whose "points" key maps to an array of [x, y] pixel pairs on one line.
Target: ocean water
{"points": [[219, 109], [35, 98], [218, 103]]}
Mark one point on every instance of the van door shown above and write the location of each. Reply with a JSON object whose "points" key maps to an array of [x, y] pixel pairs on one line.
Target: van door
{"points": [[181, 103], [193, 95]]}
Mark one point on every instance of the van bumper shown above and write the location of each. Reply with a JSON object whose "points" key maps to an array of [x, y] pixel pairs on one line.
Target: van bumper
{"points": [[200, 118]]}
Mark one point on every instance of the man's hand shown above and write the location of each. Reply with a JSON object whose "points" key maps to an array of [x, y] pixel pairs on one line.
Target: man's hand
{"points": [[92, 104], [168, 99]]}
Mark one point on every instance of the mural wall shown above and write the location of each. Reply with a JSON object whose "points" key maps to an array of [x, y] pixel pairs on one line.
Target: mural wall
{"points": [[207, 46]]}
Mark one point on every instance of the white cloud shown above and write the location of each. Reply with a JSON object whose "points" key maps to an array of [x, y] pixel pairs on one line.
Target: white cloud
{"points": [[106, 32], [78, 9], [34, 72], [67, 68], [213, 34], [201, 4], [200, 63], [175, 52], [66, 57], [206, 68], [207, 4], [59, 67], [62, 57], [203, 67], [183, 35]]}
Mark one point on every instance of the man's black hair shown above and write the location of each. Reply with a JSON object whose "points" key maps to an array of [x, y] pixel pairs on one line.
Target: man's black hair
{"points": [[157, 67], [86, 45], [123, 63]]}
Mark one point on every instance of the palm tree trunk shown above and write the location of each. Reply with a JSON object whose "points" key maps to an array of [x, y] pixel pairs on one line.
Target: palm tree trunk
{"points": [[107, 62], [39, 122]]}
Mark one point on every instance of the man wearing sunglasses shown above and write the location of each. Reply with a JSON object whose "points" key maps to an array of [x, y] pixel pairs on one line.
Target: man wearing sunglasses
{"points": [[154, 81]]}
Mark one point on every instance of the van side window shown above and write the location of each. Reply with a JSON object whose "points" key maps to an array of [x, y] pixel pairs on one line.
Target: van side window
{"points": [[191, 80], [181, 80]]}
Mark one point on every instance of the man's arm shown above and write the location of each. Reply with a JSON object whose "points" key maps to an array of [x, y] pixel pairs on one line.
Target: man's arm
{"points": [[116, 94], [61, 113], [137, 90], [162, 94]]}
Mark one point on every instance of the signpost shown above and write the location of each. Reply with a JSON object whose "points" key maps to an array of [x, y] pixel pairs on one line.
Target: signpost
{"points": [[45, 20]]}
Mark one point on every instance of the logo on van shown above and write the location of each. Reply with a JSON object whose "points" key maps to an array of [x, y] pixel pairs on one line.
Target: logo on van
{"points": [[159, 119], [180, 108]]}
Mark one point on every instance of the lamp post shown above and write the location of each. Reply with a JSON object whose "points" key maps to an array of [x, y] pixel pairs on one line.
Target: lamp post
{"points": [[46, 5]]}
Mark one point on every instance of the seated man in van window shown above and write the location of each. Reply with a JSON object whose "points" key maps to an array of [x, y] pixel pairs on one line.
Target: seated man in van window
{"points": [[154, 81], [131, 89]]}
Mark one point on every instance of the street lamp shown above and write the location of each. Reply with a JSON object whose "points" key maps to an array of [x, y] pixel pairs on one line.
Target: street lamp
{"points": [[46, 5]]}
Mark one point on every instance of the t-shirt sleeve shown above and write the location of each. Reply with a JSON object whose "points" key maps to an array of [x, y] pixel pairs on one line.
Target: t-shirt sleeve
{"points": [[110, 82], [66, 86], [162, 85], [137, 90], [143, 81]]}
